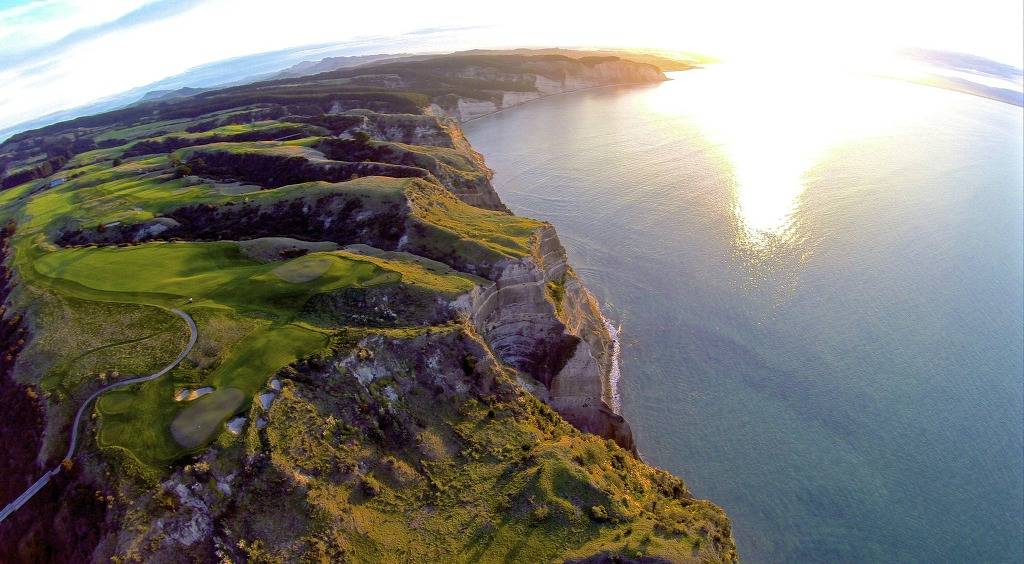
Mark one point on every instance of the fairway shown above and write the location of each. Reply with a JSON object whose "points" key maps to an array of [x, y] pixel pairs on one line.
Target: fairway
{"points": [[218, 272]]}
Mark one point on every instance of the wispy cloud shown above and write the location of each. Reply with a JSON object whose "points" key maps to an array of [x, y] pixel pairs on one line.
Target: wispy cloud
{"points": [[36, 13]]}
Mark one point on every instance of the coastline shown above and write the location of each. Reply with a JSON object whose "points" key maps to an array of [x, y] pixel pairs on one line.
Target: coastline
{"points": [[552, 95], [614, 373]]}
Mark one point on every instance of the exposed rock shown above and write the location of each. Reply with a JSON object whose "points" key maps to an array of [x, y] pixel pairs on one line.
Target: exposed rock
{"points": [[235, 425], [565, 346], [187, 394], [548, 77], [191, 523], [266, 400]]}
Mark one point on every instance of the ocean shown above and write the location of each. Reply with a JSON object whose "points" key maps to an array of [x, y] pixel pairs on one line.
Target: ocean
{"points": [[818, 282]]}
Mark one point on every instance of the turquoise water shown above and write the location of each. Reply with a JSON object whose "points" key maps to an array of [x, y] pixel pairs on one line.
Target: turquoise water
{"points": [[820, 287]]}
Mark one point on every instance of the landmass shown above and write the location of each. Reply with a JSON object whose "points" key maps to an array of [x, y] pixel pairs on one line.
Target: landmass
{"points": [[388, 365]]}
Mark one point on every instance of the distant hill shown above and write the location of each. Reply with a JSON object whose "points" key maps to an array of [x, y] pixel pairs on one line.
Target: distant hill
{"points": [[228, 72], [307, 68], [166, 94], [965, 62], [667, 62], [664, 60]]}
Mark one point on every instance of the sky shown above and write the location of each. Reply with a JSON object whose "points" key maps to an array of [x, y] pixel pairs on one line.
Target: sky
{"points": [[61, 54]]}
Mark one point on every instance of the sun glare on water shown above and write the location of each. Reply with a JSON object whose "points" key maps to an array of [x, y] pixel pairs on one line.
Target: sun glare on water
{"points": [[775, 124]]}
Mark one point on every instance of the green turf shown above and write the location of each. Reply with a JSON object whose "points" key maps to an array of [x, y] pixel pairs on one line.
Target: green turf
{"points": [[217, 272]]}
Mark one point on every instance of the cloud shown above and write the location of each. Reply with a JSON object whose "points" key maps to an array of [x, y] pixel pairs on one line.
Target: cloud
{"points": [[28, 14], [61, 54]]}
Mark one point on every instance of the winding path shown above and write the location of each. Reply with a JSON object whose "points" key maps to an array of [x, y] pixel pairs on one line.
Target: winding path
{"points": [[45, 479]]}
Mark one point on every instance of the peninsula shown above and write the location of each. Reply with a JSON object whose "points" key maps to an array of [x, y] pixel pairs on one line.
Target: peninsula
{"points": [[388, 365]]}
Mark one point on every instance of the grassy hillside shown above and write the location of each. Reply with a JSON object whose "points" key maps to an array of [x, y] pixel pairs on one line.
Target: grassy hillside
{"points": [[338, 405]]}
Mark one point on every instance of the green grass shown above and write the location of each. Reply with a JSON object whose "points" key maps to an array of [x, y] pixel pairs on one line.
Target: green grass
{"points": [[469, 231], [499, 478], [76, 340], [145, 421], [145, 130], [215, 272], [137, 420], [223, 281], [103, 310], [270, 248], [291, 148], [221, 273], [149, 130]]}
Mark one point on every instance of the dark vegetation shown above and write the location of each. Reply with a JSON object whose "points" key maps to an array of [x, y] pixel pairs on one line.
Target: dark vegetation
{"points": [[65, 520], [390, 305], [297, 218], [174, 142], [22, 414], [42, 170], [272, 171]]}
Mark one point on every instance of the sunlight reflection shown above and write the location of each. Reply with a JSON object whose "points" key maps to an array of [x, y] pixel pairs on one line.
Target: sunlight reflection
{"points": [[774, 125]]}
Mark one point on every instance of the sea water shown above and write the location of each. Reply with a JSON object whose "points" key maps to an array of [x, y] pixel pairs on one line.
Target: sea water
{"points": [[818, 281]]}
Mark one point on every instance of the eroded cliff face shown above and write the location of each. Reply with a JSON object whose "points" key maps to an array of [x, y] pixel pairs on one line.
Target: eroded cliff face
{"points": [[545, 78], [538, 317]]}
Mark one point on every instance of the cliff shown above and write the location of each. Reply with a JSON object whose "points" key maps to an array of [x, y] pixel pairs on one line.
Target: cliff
{"points": [[545, 78], [406, 369], [538, 317]]}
